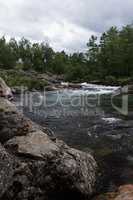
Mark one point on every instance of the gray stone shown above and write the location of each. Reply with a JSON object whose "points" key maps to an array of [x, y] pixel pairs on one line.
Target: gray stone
{"points": [[62, 170], [12, 123], [6, 170], [35, 144]]}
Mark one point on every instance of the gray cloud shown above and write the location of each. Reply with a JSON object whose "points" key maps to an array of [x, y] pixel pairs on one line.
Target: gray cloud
{"points": [[66, 25]]}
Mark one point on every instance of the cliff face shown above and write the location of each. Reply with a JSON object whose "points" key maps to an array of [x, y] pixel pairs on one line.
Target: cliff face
{"points": [[34, 166]]}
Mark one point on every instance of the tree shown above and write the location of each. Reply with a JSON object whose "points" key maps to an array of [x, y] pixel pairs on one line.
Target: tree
{"points": [[92, 57], [25, 53], [7, 58], [48, 55], [59, 63], [126, 36]]}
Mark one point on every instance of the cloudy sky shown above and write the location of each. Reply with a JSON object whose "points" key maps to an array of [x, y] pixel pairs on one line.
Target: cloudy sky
{"points": [[64, 24]]}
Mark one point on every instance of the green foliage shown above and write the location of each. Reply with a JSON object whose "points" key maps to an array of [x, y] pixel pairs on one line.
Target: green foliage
{"points": [[75, 73], [110, 80], [7, 58], [112, 56], [108, 59], [124, 81], [60, 62]]}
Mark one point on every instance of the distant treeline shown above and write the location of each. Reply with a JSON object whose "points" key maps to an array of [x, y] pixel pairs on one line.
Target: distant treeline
{"points": [[108, 58]]}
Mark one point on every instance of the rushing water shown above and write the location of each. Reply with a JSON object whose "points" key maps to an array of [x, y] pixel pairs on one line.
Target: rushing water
{"points": [[89, 120]]}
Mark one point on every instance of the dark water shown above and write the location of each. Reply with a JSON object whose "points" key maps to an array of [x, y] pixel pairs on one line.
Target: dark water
{"points": [[91, 123]]}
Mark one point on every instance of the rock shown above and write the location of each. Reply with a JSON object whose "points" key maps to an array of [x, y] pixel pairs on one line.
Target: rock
{"points": [[5, 91], [71, 85], [69, 170], [50, 88], [74, 86], [36, 167], [15, 183], [6, 106], [35, 144], [124, 192], [130, 89], [12, 123], [6, 170]]}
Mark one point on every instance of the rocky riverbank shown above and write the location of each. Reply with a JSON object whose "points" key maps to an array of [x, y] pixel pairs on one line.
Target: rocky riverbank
{"points": [[36, 165], [19, 80]]}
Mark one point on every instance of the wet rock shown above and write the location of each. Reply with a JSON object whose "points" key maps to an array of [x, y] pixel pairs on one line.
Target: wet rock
{"points": [[50, 88], [74, 86]]}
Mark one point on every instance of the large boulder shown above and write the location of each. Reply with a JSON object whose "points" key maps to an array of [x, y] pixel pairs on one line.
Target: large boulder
{"points": [[16, 179], [6, 170], [63, 170], [5, 91], [37, 167]]}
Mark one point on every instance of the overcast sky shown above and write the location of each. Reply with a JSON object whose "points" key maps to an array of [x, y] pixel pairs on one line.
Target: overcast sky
{"points": [[65, 24]]}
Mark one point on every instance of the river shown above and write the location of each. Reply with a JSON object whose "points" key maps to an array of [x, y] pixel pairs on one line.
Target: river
{"points": [[93, 119]]}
